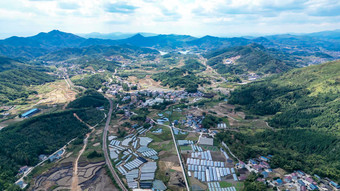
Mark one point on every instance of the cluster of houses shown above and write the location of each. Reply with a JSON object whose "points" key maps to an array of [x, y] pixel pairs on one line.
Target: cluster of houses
{"points": [[297, 180], [308, 182], [195, 122], [174, 96], [251, 76]]}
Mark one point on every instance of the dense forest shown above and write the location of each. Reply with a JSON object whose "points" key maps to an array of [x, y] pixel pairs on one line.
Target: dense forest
{"points": [[305, 108], [94, 81], [8, 64], [193, 65], [252, 58], [182, 78], [307, 97], [210, 121], [14, 83], [23, 142], [312, 151], [95, 62], [89, 99]]}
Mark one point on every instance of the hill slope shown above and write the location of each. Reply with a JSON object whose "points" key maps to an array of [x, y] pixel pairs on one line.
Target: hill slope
{"points": [[14, 83], [243, 59], [23, 142], [307, 97], [8, 64], [305, 108]]}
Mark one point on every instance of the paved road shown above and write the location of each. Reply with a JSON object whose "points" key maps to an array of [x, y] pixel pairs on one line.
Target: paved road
{"points": [[178, 154], [106, 154]]}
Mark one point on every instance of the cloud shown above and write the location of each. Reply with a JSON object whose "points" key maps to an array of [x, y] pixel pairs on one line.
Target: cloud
{"points": [[41, 0], [198, 17], [68, 5], [120, 7], [168, 15], [325, 9]]}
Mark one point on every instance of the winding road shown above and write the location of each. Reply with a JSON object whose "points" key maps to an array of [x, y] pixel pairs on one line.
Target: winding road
{"points": [[106, 154], [75, 180]]}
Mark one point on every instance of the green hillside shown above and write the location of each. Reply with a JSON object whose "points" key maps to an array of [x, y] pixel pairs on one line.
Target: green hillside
{"points": [[14, 83], [307, 97], [179, 77], [23, 142], [8, 64], [305, 108], [193, 65], [250, 58]]}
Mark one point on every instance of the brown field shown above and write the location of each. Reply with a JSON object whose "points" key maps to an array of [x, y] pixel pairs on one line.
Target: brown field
{"points": [[55, 93]]}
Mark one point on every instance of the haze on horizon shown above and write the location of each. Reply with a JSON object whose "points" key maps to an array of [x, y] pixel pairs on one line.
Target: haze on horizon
{"points": [[192, 17]]}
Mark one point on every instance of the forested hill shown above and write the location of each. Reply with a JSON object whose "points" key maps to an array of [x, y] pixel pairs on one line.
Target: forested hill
{"points": [[14, 83], [97, 51], [23, 142], [8, 63], [305, 108], [305, 48], [244, 59], [307, 97]]}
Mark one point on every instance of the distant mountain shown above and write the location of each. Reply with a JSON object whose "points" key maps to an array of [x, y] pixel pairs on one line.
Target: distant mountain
{"points": [[159, 41], [98, 51], [52, 39], [211, 42], [306, 48], [302, 42], [38, 45], [333, 35], [114, 36], [243, 59]]}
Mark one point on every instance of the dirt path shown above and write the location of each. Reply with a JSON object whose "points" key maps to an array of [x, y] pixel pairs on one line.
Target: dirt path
{"points": [[75, 181]]}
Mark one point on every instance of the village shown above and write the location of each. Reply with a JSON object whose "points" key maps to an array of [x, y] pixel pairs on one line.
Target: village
{"points": [[202, 163], [155, 127]]}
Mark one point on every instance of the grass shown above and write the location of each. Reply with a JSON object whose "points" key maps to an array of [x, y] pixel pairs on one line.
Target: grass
{"points": [[239, 185], [164, 136], [161, 174], [185, 148], [211, 148], [162, 146], [177, 115], [225, 184], [181, 136]]}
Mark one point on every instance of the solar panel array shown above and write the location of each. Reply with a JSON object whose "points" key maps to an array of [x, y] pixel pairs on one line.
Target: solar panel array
{"points": [[148, 171], [215, 186], [130, 161], [196, 148], [206, 155], [130, 178], [135, 163], [184, 142], [201, 162], [207, 170], [222, 125], [148, 152], [224, 153]]}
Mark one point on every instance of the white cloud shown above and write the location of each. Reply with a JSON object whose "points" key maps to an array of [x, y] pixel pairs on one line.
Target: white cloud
{"points": [[196, 17]]}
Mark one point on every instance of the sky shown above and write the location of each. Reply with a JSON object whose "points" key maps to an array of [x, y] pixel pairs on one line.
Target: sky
{"points": [[192, 17]]}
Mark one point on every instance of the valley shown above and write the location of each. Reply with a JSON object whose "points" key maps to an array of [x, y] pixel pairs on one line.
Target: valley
{"points": [[169, 112]]}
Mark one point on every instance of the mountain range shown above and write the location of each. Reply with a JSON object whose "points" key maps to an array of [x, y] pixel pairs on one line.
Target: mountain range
{"points": [[320, 45]]}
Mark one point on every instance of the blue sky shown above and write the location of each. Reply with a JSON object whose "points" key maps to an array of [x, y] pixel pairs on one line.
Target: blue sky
{"points": [[194, 17]]}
